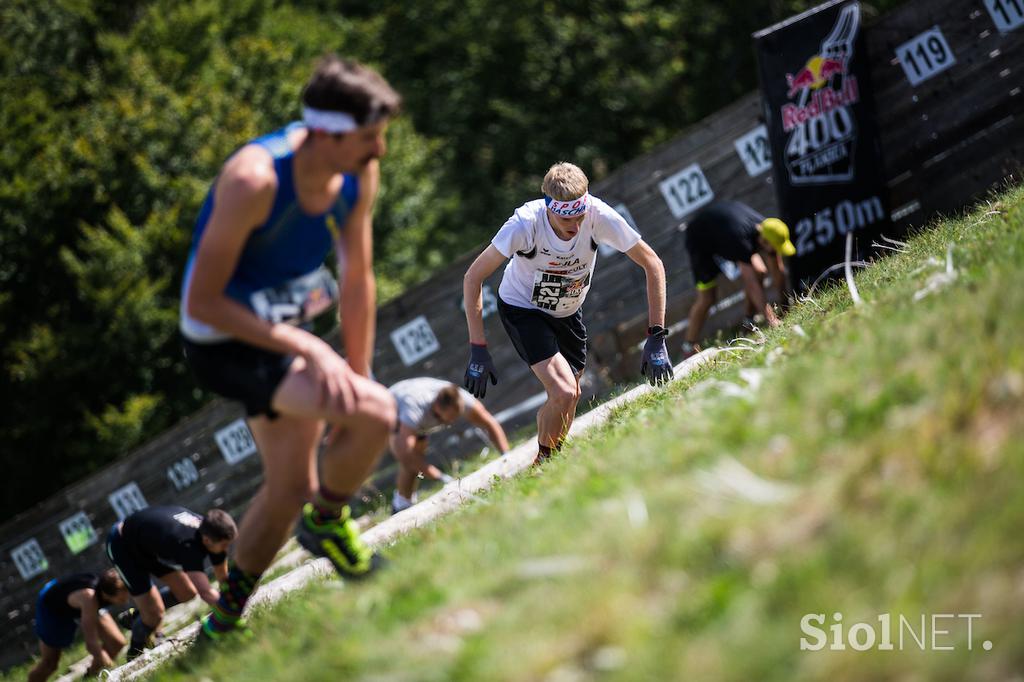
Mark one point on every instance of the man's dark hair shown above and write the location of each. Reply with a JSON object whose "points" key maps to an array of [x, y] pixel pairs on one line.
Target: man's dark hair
{"points": [[218, 525], [449, 397], [110, 582], [347, 86]]}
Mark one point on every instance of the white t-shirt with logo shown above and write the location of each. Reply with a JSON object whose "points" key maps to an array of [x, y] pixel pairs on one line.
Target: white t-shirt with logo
{"points": [[557, 277]]}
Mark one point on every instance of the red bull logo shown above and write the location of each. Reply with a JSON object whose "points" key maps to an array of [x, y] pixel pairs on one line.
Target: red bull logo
{"points": [[818, 93]]}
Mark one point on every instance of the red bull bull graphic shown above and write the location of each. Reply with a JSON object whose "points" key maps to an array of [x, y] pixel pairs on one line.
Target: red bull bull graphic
{"points": [[815, 75]]}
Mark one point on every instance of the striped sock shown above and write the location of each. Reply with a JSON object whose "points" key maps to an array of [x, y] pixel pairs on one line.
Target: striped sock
{"points": [[237, 589], [328, 505]]}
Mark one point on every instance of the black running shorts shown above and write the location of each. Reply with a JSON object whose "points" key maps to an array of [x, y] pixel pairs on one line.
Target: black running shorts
{"points": [[239, 371], [538, 336], [132, 570]]}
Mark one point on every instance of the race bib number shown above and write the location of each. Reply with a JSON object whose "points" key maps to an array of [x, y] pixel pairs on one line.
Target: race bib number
{"points": [[187, 518], [728, 268], [297, 301], [557, 292]]}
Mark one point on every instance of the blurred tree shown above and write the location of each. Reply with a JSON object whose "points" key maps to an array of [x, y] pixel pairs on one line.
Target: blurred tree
{"points": [[118, 114]]}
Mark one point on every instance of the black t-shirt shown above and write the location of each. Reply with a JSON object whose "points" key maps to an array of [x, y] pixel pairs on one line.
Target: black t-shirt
{"points": [[727, 229], [56, 598], [166, 539]]}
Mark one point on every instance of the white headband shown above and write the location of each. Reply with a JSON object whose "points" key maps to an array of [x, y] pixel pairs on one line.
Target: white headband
{"points": [[329, 121], [567, 209]]}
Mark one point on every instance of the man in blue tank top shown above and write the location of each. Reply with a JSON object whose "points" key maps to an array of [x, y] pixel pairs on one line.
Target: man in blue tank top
{"points": [[254, 280]]}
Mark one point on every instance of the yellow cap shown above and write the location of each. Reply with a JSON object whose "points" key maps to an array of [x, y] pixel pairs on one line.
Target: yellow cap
{"points": [[777, 234]]}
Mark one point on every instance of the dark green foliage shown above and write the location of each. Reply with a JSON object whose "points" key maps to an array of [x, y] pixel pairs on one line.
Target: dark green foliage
{"points": [[116, 116]]}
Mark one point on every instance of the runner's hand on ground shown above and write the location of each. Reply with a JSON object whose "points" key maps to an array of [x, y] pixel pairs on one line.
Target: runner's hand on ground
{"points": [[479, 369], [655, 364]]}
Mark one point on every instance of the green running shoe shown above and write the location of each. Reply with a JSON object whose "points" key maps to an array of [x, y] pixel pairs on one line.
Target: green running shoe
{"points": [[339, 541], [207, 632]]}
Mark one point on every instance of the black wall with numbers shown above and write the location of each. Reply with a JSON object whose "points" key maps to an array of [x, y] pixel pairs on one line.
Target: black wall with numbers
{"points": [[950, 120]]}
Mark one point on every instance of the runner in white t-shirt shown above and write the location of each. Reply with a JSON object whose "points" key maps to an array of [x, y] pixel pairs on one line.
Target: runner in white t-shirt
{"points": [[425, 406], [551, 245]]}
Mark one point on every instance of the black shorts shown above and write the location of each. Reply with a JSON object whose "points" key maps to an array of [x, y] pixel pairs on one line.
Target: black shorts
{"points": [[538, 336], [238, 371], [702, 261], [134, 572]]}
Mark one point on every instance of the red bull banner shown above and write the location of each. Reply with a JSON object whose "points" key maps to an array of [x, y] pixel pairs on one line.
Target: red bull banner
{"points": [[826, 156]]}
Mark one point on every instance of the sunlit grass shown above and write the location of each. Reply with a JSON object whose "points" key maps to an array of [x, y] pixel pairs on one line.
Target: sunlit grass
{"points": [[862, 460]]}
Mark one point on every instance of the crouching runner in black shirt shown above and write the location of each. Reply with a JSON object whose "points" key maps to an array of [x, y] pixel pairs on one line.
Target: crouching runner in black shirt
{"points": [[171, 543]]}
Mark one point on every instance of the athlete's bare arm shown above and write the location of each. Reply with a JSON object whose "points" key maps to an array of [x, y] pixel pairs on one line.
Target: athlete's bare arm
{"points": [[755, 293], [242, 201], [480, 417], [181, 585], [777, 270], [203, 587], [88, 604], [644, 256], [358, 306], [472, 287], [757, 262], [220, 571]]}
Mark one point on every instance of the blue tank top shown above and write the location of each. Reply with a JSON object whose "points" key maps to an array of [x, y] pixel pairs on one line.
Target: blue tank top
{"points": [[289, 245]]}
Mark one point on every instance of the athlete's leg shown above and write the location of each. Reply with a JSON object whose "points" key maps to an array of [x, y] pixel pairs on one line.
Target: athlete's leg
{"points": [[360, 429], [699, 311], [562, 386], [110, 635], [151, 614], [287, 446], [410, 458], [180, 588], [49, 657], [150, 606]]}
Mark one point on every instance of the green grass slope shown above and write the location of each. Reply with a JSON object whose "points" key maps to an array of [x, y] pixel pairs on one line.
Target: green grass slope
{"points": [[863, 460]]}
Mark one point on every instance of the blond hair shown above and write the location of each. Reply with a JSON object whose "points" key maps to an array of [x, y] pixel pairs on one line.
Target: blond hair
{"points": [[565, 181]]}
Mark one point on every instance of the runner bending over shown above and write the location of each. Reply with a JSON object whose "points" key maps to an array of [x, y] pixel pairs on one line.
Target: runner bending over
{"points": [[66, 603], [426, 406], [733, 231], [173, 544]]}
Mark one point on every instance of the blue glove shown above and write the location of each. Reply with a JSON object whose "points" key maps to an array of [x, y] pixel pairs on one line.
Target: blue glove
{"points": [[655, 364], [480, 367]]}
